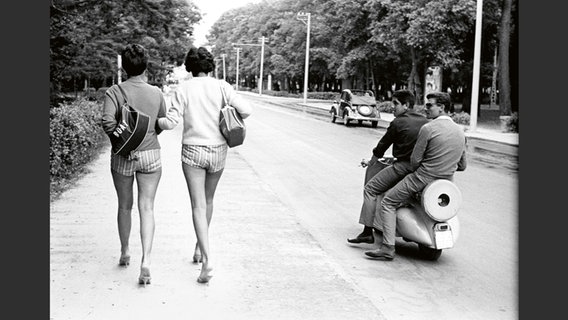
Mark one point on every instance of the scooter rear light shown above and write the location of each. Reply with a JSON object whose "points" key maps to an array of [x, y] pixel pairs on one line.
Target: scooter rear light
{"points": [[441, 227], [443, 237]]}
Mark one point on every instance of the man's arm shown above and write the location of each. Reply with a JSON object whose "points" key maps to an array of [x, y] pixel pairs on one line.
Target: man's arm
{"points": [[462, 164], [386, 141], [419, 148]]}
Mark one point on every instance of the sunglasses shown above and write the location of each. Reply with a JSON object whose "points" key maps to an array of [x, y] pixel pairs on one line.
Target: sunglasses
{"points": [[430, 105]]}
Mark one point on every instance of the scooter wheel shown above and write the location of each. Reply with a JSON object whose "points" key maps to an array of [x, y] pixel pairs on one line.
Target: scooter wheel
{"points": [[429, 253]]}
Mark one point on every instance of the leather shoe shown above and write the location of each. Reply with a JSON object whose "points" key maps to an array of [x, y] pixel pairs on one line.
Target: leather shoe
{"points": [[362, 239], [377, 231], [385, 252]]}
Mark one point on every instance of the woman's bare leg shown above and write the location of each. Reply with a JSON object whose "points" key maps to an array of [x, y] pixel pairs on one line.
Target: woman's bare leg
{"points": [[211, 181], [124, 192], [147, 187], [201, 186]]}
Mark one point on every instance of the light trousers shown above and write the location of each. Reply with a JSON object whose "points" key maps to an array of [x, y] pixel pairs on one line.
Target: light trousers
{"points": [[378, 185]]}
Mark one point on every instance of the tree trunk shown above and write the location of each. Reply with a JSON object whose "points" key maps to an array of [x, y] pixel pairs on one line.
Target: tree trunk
{"points": [[493, 100], [373, 83], [504, 78], [414, 82]]}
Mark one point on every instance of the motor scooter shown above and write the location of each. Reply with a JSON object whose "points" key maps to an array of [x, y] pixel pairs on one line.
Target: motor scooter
{"points": [[429, 219]]}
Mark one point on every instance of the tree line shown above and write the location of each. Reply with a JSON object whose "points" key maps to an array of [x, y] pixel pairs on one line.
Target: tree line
{"points": [[369, 44], [375, 44]]}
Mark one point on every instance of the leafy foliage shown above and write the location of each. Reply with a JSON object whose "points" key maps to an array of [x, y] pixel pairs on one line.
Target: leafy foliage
{"points": [[86, 37], [74, 135]]}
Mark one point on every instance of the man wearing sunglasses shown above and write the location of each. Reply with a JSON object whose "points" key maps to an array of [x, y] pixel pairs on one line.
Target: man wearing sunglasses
{"points": [[401, 134], [438, 153]]}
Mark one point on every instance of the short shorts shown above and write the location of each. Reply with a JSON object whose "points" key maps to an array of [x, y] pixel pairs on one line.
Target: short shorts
{"points": [[139, 161], [210, 158]]}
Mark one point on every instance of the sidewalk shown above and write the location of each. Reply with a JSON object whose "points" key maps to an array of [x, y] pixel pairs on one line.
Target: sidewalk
{"points": [[506, 138]]}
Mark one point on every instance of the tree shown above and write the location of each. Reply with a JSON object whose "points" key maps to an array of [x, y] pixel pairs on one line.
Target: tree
{"points": [[504, 65], [86, 37]]}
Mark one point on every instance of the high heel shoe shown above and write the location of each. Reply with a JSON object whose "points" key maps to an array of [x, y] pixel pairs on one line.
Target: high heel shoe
{"points": [[204, 278], [124, 261], [197, 258], [144, 277]]}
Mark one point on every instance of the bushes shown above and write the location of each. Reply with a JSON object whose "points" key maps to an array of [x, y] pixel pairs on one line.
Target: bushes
{"points": [[461, 117], [311, 95], [513, 123], [75, 135], [386, 106]]}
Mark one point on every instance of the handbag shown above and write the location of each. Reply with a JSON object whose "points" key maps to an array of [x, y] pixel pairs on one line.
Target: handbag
{"points": [[132, 126], [231, 123]]}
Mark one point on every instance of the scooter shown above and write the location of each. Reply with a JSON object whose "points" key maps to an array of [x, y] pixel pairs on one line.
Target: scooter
{"points": [[429, 219]]}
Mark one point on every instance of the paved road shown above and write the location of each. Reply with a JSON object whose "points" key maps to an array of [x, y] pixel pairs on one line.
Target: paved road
{"points": [[275, 259]]}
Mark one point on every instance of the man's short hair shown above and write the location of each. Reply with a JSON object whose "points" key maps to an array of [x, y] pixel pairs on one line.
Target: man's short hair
{"points": [[405, 96], [441, 98]]}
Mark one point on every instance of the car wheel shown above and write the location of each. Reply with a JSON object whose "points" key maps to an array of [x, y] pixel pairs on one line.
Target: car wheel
{"points": [[429, 253], [333, 114], [345, 119], [374, 124]]}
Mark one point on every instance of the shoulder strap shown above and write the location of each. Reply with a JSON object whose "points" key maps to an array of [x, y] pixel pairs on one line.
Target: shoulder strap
{"points": [[123, 93], [223, 93]]}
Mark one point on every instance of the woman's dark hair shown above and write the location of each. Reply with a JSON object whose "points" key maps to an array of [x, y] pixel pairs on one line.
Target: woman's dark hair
{"points": [[405, 96], [199, 60], [134, 59], [442, 98]]}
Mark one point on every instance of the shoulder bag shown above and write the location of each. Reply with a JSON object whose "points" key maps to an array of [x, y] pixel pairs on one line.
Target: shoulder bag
{"points": [[231, 123], [132, 126]]}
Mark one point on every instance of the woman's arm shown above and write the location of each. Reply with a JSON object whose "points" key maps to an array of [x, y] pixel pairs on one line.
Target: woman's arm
{"points": [[236, 100], [109, 112], [174, 113]]}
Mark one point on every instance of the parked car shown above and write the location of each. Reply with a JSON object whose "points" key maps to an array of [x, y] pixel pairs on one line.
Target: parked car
{"points": [[356, 105]]}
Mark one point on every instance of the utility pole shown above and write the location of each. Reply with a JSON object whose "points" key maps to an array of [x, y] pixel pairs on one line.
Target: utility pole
{"points": [[305, 18], [261, 64], [223, 55], [119, 73], [262, 41], [237, 50]]}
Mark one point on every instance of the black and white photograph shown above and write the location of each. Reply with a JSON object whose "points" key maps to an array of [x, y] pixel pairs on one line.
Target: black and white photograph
{"points": [[284, 159]]}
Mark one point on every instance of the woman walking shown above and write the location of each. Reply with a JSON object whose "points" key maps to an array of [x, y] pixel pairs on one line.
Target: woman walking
{"points": [[204, 150], [144, 164]]}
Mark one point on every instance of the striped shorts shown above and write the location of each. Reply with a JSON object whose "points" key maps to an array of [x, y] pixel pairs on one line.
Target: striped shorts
{"points": [[139, 161], [210, 158]]}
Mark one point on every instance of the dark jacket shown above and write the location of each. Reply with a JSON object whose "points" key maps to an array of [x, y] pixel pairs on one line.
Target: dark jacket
{"points": [[401, 134]]}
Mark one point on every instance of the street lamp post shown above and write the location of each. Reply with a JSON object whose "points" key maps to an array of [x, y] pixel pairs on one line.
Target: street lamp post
{"points": [[261, 45], [305, 18]]}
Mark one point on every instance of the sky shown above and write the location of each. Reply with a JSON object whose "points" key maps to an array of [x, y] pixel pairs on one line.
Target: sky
{"points": [[212, 10]]}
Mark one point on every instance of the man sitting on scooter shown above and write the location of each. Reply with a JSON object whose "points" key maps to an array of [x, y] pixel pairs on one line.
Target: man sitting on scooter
{"points": [[401, 134], [438, 153]]}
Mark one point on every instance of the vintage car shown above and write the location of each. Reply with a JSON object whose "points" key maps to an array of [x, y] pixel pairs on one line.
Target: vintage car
{"points": [[356, 105]]}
